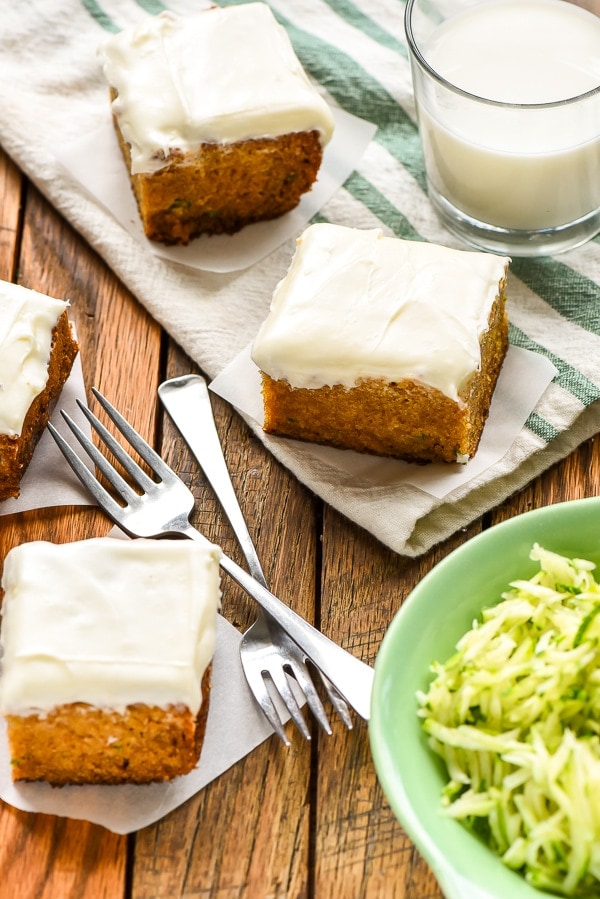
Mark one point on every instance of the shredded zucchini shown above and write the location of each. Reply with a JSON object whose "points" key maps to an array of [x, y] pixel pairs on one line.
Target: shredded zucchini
{"points": [[515, 715]]}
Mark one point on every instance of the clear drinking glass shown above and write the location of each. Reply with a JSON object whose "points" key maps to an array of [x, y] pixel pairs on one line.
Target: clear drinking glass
{"points": [[508, 103]]}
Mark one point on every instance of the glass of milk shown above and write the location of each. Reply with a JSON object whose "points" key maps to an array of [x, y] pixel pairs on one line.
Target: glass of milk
{"points": [[508, 103]]}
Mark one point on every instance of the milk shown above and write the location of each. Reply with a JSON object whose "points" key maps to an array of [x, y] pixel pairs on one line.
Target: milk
{"points": [[515, 168]]}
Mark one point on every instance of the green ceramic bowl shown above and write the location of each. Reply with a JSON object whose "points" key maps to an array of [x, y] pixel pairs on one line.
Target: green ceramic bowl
{"points": [[427, 627]]}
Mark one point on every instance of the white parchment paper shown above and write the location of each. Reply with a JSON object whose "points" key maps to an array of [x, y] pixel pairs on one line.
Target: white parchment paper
{"points": [[524, 378], [96, 162]]}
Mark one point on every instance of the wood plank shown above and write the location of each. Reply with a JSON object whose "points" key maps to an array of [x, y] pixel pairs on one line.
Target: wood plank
{"points": [[575, 477], [49, 857], [120, 346], [11, 183], [361, 850], [247, 834]]}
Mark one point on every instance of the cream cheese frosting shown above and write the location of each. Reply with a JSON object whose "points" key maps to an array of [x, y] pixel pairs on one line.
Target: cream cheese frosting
{"points": [[356, 304], [27, 319], [224, 75], [108, 622]]}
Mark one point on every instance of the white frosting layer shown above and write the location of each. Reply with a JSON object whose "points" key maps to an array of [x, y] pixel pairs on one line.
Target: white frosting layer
{"points": [[27, 319], [355, 304], [108, 622], [225, 75]]}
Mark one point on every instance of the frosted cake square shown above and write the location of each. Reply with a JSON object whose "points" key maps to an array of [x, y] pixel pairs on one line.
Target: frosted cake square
{"points": [[107, 651], [218, 122], [383, 346]]}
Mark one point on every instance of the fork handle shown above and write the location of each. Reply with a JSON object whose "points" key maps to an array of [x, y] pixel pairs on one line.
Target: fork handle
{"points": [[187, 401], [352, 677]]}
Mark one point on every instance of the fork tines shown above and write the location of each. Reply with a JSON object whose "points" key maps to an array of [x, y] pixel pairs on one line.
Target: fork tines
{"points": [[137, 474]]}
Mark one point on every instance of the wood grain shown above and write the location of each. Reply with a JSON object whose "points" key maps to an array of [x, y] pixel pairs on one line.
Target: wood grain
{"points": [[43, 855], [11, 185], [247, 834], [361, 849]]}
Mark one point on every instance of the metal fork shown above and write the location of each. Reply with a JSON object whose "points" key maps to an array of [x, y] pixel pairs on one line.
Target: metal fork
{"points": [[265, 649], [163, 507]]}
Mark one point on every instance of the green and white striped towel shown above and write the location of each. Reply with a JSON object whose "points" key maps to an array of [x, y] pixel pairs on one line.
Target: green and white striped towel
{"points": [[51, 88]]}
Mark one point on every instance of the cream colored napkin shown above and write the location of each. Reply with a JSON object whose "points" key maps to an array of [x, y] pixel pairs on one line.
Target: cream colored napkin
{"points": [[52, 93]]}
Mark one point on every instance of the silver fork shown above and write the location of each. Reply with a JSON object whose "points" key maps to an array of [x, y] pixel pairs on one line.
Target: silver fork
{"points": [[163, 507], [265, 649]]}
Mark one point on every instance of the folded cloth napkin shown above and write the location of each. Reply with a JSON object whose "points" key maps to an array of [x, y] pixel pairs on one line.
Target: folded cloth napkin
{"points": [[51, 92]]}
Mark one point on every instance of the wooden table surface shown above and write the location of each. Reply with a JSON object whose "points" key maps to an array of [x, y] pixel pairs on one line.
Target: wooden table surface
{"points": [[307, 821]]}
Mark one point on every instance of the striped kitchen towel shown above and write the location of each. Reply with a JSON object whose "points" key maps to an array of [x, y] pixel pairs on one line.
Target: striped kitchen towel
{"points": [[52, 91]]}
